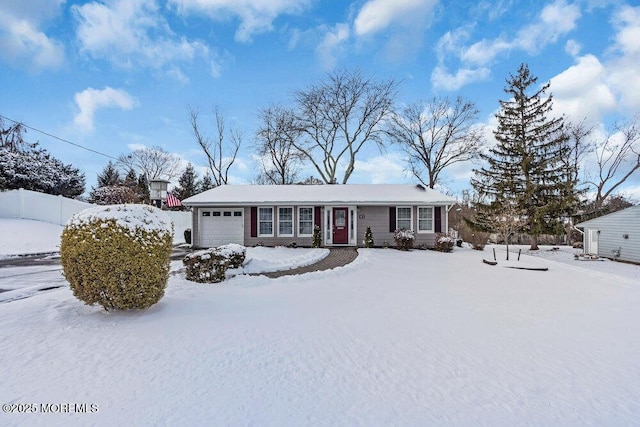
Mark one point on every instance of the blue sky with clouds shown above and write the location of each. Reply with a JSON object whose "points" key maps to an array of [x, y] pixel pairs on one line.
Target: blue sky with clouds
{"points": [[113, 75]]}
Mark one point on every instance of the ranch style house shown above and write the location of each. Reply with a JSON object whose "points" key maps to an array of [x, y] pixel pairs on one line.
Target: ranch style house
{"points": [[281, 215]]}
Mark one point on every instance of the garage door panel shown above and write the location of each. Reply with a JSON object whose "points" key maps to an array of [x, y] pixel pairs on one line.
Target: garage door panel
{"points": [[219, 229]]}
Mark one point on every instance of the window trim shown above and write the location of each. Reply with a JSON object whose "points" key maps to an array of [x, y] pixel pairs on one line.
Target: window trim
{"points": [[260, 221], [292, 221], [404, 219], [433, 220], [299, 222]]}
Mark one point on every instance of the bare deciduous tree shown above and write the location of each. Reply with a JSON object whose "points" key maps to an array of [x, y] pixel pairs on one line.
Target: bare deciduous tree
{"points": [[578, 146], [276, 137], [338, 117], [153, 162], [435, 135], [220, 154], [12, 136], [617, 159]]}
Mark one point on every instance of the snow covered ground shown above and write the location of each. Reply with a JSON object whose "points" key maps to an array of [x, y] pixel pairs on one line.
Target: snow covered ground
{"points": [[24, 237], [395, 338]]}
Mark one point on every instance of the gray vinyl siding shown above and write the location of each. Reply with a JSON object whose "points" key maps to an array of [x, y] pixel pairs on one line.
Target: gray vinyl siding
{"points": [[613, 228], [195, 231], [275, 241], [377, 217]]}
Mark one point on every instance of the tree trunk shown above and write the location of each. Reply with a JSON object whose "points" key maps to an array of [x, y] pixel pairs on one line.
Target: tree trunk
{"points": [[534, 243]]}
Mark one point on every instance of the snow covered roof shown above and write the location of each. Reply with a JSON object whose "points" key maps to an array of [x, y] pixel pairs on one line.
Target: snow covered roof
{"points": [[353, 194], [631, 214]]}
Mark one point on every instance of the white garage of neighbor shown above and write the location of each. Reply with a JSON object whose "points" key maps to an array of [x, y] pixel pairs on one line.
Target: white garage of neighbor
{"points": [[221, 226]]}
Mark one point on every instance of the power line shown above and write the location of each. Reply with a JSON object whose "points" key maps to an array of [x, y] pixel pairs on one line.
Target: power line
{"points": [[58, 138]]}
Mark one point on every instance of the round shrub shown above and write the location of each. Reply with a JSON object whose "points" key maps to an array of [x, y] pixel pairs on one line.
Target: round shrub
{"points": [[117, 256]]}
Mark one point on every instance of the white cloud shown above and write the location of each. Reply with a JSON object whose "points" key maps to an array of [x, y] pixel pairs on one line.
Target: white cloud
{"points": [[380, 170], [90, 100], [22, 40], [484, 51], [581, 91], [378, 15], [573, 48], [555, 20], [331, 45], [256, 16], [624, 70], [132, 32], [593, 88], [403, 22], [442, 78]]}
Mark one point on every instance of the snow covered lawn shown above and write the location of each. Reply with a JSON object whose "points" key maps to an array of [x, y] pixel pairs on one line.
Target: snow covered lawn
{"points": [[395, 338]]}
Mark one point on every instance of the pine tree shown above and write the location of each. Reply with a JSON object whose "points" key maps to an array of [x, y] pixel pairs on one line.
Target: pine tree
{"points": [[188, 184], [143, 189], [110, 176], [206, 183], [131, 180], [525, 179]]}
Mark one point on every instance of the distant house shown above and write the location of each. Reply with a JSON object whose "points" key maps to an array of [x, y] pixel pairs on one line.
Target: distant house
{"points": [[616, 235], [283, 214]]}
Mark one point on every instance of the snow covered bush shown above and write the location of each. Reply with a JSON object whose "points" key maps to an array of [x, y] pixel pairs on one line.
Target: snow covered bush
{"points": [[478, 240], [368, 238], [117, 256], [113, 195], [404, 239], [211, 265], [444, 243]]}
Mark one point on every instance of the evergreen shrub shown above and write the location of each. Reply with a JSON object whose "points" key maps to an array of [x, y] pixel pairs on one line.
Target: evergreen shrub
{"points": [[317, 236], [368, 238], [117, 256], [211, 265]]}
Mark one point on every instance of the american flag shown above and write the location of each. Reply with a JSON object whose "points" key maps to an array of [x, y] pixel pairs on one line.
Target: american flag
{"points": [[172, 201]]}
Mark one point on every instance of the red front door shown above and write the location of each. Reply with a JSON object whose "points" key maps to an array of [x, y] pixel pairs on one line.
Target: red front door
{"points": [[340, 226]]}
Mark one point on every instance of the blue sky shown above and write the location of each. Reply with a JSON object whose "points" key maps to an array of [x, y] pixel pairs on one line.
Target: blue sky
{"points": [[113, 75]]}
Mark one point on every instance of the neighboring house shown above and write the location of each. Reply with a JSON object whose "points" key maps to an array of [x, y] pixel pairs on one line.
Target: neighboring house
{"points": [[616, 235], [284, 214]]}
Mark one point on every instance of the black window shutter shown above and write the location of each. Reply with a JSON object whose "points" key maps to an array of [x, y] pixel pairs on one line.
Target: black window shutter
{"points": [[437, 213], [254, 221], [392, 219], [317, 216]]}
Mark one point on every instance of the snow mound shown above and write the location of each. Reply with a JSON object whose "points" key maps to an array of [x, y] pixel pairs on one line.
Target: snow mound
{"points": [[266, 260]]}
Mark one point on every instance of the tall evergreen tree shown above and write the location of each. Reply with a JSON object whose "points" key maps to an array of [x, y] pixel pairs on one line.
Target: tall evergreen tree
{"points": [[143, 189], [207, 183], [525, 180], [110, 176], [187, 183], [131, 180]]}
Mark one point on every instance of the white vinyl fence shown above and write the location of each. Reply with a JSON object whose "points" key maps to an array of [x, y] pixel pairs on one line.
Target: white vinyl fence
{"points": [[26, 204]]}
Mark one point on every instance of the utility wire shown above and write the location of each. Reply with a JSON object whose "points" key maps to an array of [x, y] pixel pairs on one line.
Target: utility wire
{"points": [[57, 137]]}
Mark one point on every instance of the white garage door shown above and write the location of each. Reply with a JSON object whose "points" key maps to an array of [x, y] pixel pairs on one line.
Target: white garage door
{"points": [[221, 226]]}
